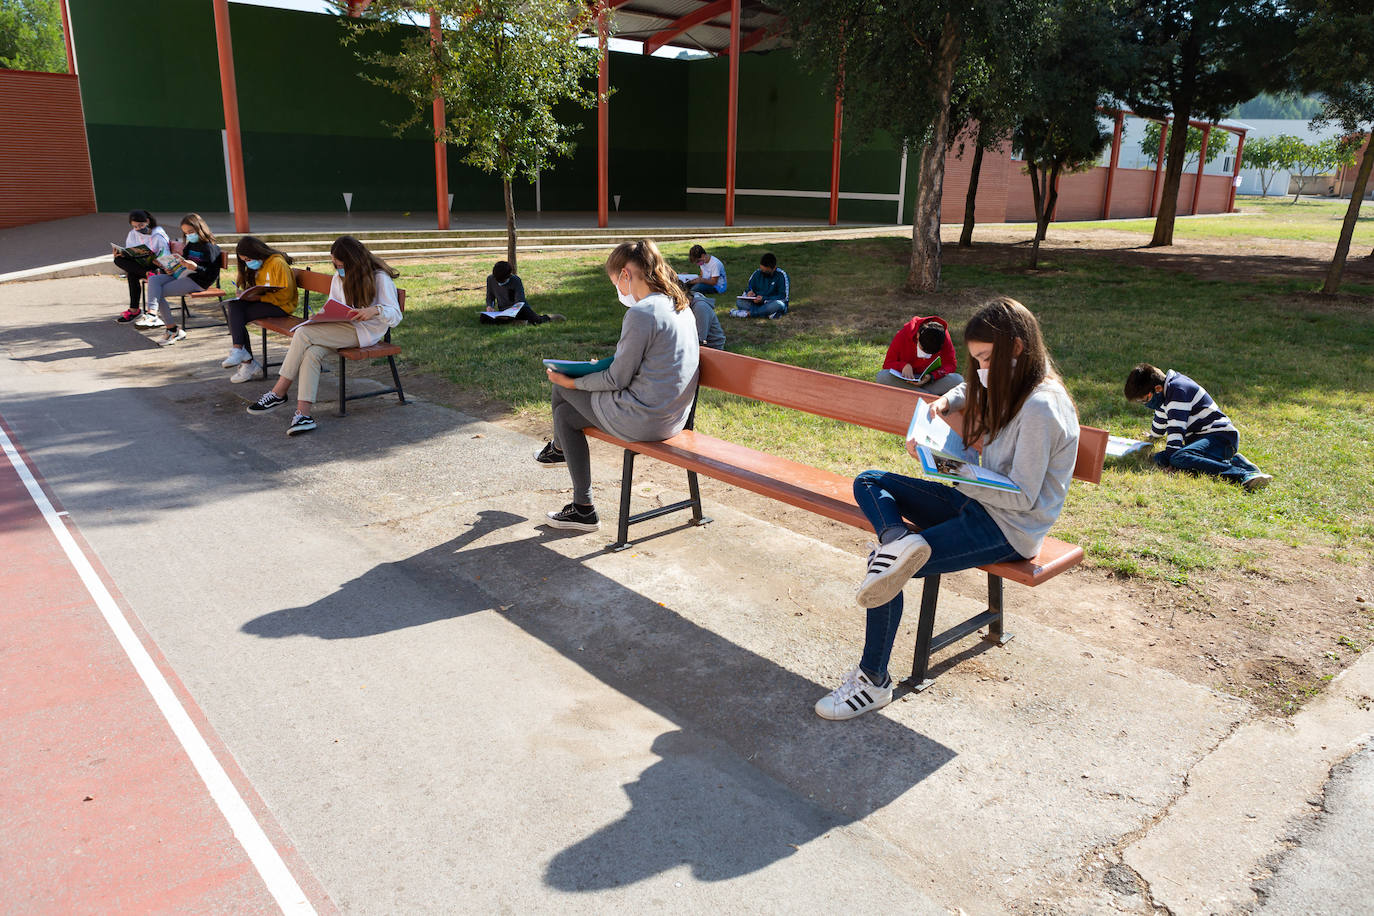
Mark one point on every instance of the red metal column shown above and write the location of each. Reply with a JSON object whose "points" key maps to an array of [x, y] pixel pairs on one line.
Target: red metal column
{"points": [[231, 114], [1235, 173], [1111, 169], [1159, 166], [603, 127], [732, 114], [1201, 164], [436, 35], [835, 154], [67, 37]]}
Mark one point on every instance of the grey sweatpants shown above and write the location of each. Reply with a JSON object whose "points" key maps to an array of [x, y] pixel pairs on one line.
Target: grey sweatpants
{"points": [[572, 412], [160, 286]]}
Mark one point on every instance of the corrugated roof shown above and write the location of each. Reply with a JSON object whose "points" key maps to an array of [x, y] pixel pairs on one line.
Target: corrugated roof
{"points": [[701, 26]]}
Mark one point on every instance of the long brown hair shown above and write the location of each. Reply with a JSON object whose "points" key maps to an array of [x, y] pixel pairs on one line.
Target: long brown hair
{"points": [[250, 247], [658, 276], [198, 226], [1002, 322], [360, 270]]}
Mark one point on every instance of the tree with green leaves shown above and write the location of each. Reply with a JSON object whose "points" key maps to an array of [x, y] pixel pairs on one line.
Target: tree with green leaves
{"points": [[1218, 142], [900, 62], [1270, 155], [1336, 58], [1325, 157], [502, 69], [1199, 59], [31, 36], [1060, 130], [982, 115]]}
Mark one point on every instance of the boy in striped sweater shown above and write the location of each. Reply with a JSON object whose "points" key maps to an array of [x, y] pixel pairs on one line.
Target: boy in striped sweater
{"points": [[1198, 437]]}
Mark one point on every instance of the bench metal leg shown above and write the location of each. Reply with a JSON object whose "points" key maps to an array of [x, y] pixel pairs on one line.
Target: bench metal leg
{"points": [[396, 377], [626, 519], [343, 386], [627, 474], [995, 606], [694, 489], [920, 666], [265, 363]]}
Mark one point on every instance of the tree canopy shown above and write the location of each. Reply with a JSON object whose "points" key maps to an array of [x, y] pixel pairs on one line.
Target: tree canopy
{"points": [[31, 36]]}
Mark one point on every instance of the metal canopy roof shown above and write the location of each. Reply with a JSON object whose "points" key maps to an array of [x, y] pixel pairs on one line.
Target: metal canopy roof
{"points": [[698, 25]]}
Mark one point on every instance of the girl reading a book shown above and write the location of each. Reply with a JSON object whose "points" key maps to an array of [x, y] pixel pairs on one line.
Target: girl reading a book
{"points": [[195, 269], [267, 289], [363, 283], [645, 394], [144, 232], [1016, 411]]}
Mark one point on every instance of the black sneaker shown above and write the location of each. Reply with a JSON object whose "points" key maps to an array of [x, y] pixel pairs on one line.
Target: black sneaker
{"points": [[574, 518], [300, 423], [550, 456], [266, 403]]}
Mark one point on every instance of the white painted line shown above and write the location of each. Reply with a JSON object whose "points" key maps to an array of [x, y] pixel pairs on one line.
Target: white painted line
{"points": [[249, 832], [770, 192]]}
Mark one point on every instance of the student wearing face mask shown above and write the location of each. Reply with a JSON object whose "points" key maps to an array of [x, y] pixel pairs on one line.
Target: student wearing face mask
{"points": [[143, 230], [506, 292], [646, 393], [258, 265], [918, 344], [365, 283], [1021, 417], [199, 271]]}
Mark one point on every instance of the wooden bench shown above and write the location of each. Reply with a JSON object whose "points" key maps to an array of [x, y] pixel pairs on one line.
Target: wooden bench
{"points": [[311, 282], [824, 492]]}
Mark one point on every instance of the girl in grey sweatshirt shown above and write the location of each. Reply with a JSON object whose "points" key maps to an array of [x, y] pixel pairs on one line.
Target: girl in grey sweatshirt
{"points": [[1017, 411], [645, 394]]}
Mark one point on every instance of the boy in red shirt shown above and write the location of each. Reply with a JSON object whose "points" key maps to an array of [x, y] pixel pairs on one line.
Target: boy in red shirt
{"points": [[919, 343]]}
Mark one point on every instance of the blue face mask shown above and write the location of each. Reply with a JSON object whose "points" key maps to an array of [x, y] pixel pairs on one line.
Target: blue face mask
{"points": [[253, 264], [1156, 402], [192, 237], [339, 271]]}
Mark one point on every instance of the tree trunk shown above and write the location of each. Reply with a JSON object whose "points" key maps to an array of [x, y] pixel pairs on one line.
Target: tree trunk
{"points": [[923, 274], [1051, 198], [510, 225], [1173, 177], [1352, 213], [1038, 206], [971, 198]]}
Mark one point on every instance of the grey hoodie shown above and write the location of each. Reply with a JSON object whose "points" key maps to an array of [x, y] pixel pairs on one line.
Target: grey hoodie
{"points": [[646, 393]]}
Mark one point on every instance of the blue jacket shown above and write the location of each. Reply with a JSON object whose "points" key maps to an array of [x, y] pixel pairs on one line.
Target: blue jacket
{"points": [[772, 287]]}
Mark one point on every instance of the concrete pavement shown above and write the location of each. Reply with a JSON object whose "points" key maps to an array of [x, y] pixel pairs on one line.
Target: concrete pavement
{"points": [[450, 709]]}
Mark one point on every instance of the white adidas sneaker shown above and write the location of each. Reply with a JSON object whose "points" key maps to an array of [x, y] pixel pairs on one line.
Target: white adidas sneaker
{"points": [[856, 696]]}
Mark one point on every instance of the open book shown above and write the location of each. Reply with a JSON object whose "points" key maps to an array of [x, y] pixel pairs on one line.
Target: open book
{"points": [[688, 278], [1120, 446], [332, 310], [172, 264], [578, 368], [505, 313], [920, 379], [141, 253], [942, 453]]}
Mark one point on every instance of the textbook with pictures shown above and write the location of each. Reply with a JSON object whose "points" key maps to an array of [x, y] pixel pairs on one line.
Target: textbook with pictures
{"points": [[134, 252], [943, 455], [578, 368], [920, 379]]}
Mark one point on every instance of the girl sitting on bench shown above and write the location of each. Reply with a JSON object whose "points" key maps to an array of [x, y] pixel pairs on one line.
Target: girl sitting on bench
{"points": [[200, 256], [1017, 412], [143, 230], [259, 265], [362, 281], [646, 393]]}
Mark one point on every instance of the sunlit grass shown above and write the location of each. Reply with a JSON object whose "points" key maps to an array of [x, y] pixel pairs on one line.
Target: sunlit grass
{"points": [[1308, 220]]}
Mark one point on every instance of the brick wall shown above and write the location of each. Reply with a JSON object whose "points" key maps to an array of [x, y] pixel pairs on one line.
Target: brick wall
{"points": [[45, 170]]}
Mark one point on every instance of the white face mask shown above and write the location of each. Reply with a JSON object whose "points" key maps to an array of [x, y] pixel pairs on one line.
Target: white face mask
{"points": [[627, 299], [983, 374], [922, 354]]}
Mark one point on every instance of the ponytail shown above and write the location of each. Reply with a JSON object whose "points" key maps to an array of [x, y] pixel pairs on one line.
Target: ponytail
{"points": [[658, 276]]}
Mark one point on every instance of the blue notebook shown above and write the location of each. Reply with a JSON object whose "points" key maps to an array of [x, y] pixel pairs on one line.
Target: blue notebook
{"points": [[578, 368]]}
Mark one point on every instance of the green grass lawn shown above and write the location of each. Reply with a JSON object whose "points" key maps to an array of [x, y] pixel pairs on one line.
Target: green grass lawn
{"points": [[1294, 373], [1308, 220]]}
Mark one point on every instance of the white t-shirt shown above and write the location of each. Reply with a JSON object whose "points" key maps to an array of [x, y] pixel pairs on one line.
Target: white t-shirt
{"points": [[156, 240], [713, 268]]}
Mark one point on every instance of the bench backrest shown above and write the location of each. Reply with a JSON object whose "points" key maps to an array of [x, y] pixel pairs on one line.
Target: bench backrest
{"points": [[315, 282], [850, 400]]}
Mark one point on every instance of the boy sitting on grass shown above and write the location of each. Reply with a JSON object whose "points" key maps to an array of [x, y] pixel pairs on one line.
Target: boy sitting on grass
{"points": [[768, 291], [1198, 437]]}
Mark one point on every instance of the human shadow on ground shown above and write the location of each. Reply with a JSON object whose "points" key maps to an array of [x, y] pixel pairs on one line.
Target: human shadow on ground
{"points": [[103, 339], [749, 775]]}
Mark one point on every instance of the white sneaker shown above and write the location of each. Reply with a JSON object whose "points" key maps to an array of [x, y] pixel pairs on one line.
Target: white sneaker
{"points": [[246, 371], [236, 356], [889, 568], [738, 313], [148, 320], [171, 337], [856, 696]]}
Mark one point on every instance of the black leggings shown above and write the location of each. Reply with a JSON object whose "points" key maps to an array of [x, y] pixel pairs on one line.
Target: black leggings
{"points": [[242, 311], [134, 272], [525, 314]]}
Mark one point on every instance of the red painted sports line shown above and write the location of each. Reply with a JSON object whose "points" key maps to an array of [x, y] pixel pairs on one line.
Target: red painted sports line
{"points": [[101, 809]]}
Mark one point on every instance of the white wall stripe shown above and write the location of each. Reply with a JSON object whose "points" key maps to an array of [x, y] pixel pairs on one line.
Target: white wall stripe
{"points": [[771, 192], [249, 832]]}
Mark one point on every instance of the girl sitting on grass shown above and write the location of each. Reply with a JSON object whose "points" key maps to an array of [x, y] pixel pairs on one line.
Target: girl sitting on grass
{"points": [[1017, 411], [646, 393]]}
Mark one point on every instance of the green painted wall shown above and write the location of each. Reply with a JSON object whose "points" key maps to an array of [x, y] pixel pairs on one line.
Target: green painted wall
{"points": [[314, 128]]}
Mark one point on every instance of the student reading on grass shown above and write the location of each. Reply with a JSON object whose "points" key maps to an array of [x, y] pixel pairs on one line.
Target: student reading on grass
{"points": [[361, 280], [647, 391], [1198, 437], [711, 280], [259, 265], [143, 230], [504, 293], [1018, 412], [709, 332], [919, 343], [767, 293], [200, 262]]}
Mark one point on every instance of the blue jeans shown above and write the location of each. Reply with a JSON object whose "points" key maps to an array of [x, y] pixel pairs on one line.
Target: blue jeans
{"points": [[1215, 455], [706, 288], [959, 530], [767, 307]]}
